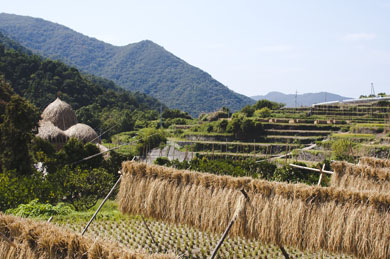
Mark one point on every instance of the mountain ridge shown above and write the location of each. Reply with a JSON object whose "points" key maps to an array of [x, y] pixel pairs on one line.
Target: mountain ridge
{"points": [[306, 99], [143, 66]]}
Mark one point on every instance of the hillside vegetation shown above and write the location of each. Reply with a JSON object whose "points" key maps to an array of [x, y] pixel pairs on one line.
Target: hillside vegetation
{"points": [[97, 102], [143, 66]]}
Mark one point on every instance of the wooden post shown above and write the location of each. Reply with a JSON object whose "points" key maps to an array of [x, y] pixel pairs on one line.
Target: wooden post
{"points": [[228, 227], [7, 240], [101, 205], [321, 174]]}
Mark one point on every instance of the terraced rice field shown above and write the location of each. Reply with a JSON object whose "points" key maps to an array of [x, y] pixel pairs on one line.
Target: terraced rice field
{"points": [[184, 241]]}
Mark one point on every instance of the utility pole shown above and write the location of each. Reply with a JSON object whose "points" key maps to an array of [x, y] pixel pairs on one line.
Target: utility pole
{"points": [[372, 90], [296, 97]]}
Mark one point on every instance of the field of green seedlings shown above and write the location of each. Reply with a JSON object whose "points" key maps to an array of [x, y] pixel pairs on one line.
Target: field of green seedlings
{"points": [[184, 241]]}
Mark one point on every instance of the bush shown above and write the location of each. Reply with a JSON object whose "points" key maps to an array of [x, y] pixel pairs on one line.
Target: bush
{"points": [[36, 209], [82, 188], [263, 113], [266, 103], [15, 189], [342, 150], [148, 139]]}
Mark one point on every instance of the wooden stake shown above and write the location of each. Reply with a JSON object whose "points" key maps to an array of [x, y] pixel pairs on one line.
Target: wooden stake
{"points": [[321, 174], [228, 228], [101, 205]]}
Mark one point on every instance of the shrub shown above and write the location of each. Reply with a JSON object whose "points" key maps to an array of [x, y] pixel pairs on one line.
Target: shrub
{"points": [[264, 112], [36, 209], [342, 150]]}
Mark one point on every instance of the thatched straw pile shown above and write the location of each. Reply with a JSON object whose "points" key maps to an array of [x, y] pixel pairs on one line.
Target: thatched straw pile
{"points": [[374, 162], [60, 114], [49, 132], [44, 240], [83, 133], [360, 177], [295, 215]]}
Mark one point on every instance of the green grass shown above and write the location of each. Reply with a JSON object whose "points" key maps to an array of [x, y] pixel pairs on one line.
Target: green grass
{"points": [[353, 136], [125, 150]]}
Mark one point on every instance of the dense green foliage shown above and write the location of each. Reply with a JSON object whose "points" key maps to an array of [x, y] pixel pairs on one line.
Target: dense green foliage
{"points": [[61, 176], [343, 150], [148, 139], [262, 107], [35, 209], [17, 120], [143, 66], [98, 102]]}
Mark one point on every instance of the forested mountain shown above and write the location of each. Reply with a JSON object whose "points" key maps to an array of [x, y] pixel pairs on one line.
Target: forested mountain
{"points": [[302, 99], [143, 66], [97, 102]]}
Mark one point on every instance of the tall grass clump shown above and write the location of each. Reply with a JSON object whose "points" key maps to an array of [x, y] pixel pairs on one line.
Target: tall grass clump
{"points": [[374, 162], [293, 215], [360, 177], [43, 240]]}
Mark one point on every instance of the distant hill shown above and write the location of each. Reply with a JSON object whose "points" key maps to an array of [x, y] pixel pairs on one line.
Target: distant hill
{"points": [[98, 102], [302, 99], [143, 66]]}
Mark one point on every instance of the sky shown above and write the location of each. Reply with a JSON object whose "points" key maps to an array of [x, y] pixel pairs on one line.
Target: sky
{"points": [[252, 47]]}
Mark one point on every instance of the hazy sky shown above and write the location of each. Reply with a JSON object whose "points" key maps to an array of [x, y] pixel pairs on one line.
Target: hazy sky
{"points": [[253, 47]]}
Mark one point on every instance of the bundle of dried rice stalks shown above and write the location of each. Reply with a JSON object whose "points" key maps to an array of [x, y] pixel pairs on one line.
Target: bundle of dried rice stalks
{"points": [[360, 177], [83, 133], [295, 215], [44, 240], [374, 162], [60, 114]]}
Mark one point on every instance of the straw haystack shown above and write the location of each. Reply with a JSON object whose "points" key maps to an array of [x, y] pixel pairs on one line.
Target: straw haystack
{"points": [[294, 215], [60, 114], [83, 133], [361, 177], [59, 124], [374, 162], [38, 240], [51, 133]]}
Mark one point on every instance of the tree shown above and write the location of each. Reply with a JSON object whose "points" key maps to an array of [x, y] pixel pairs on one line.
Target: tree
{"points": [[266, 103], [248, 110], [16, 133], [264, 112]]}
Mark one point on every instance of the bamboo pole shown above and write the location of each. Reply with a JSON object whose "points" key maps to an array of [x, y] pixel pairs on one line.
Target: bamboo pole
{"points": [[312, 169], [220, 242], [150, 233], [101, 205]]}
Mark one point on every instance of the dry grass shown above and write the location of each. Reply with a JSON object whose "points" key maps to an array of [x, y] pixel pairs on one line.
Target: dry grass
{"points": [[294, 215], [60, 114], [374, 162], [361, 177], [43, 240]]}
